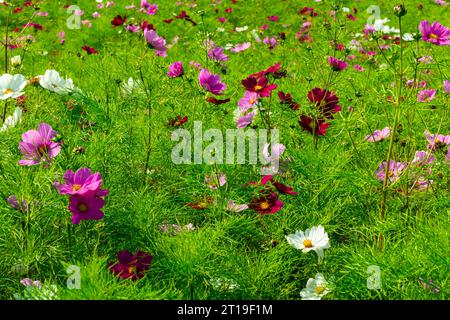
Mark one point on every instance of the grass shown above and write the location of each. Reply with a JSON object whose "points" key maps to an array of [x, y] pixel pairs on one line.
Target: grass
{"points": [[336, 181]]}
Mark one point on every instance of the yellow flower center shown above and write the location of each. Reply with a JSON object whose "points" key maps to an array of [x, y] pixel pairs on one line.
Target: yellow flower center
{"points": [[82, 207], [307, 243], [258, 87], [76, 187], [433, 36], [7, 90], [42, 150], [322, 103], [390, 174], [252, 101], [132, 269], [319, 289], [264, 205]]}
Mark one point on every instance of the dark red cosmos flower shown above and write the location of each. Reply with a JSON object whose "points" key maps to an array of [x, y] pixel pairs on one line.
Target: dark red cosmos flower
{"points": [[131, 266], [317, 127], [28, 3], [178, 121], [326, 101], [217, 101], [275, 71], [182, 15], [229, 10], [282, 188], [308, 11], [259, 85], [168, 20], [89, 50], [18, 9], [267, 204], [286, 98], [36, 26], [118, 20], [147, 26]]}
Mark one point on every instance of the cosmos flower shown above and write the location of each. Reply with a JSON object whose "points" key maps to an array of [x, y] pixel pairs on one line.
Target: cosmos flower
{"points": [[118, 21], [216, 101], [81, 182], [276, 151], [266, 204], [213, 181], [316, 288], [249, 100], [317, 127], [175, 69], [446, 85], [53, 82], [336, 64], [14, 203], [211, 82], [426, 95], [315, 239], [394, 171], [233, 207], [11, 86], [89, 50], [178, 121], [259, 85], [270, 42], [12, 120], [286, 98], [155, 42], [217, 54], [244, 119], [436, 141], [435, 33], [241, 47], [38, 146], [326, 102], [131, 266], [379, 135], [422, 158], [86, 207]]}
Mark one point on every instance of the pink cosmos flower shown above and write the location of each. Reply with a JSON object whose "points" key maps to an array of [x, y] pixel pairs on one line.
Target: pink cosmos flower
{"points": [[156, 42], [273, 18], [435, 141], [133, 28], [212, 181], [27, 282], [359, 68], [152, 9], [38, 146], [379, 135], [249, 100], [86, 23], [435, 33], [217, 54], [175, 69], [233, 207], [211, 82], [96, 15], [222, 19], [245, 119], [422, 158], [86, 207], [336, 64], [426, 95], [81, 182], [277, 151], [109, 4], [78, 12], [241, 47], [270, 42], [446, 86], [394, 172]]}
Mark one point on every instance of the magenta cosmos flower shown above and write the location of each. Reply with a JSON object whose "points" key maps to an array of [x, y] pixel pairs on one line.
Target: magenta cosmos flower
{"points": [[435, 33], [267, 204], [211, 82], [394, 171], [156, 42], [175, 69], [38, 146], [426, 95], [336, 64], [86, 207], [379, 135], [131, 266], [81, 182], [217, 54]]}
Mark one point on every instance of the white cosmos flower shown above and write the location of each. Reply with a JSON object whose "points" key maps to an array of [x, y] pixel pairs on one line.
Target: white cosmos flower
{"points": [[11, 86], [241, 29], [52, 81], [12, 120], [408, 37], [312, 239], [132, 86], [16, 61], [315, 288]]}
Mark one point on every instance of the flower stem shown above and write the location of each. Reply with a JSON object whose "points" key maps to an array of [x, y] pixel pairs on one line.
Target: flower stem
{"points": [[6, 60]]}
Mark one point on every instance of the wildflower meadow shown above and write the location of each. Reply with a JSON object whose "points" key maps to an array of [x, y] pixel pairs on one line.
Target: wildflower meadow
{"points": [[224, 149]]}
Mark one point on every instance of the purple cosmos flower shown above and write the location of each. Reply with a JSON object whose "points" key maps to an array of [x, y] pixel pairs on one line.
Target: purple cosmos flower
{"points": [[379, 135], [217, 54], [436, 140], [27, 282], [81, 182], [38, 146], [394, 171], [426, 95], [14, 202], [422, 158], [249, 100], [86, 207], [435, 33], [211, 82], [336, 64], [446, 86], [175, 69], [241, 47], [156, 42]]}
